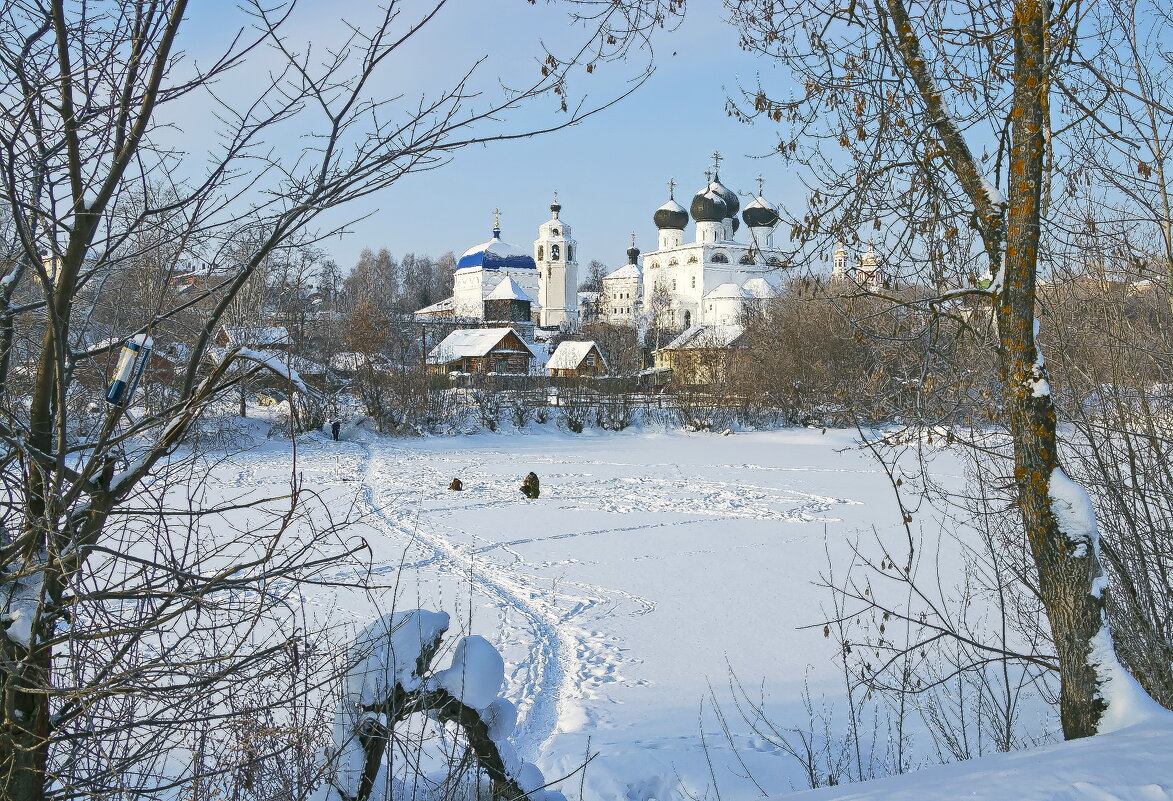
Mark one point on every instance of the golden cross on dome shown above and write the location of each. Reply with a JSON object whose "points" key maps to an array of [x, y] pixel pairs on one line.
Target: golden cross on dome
{"points": [[496, 218]]}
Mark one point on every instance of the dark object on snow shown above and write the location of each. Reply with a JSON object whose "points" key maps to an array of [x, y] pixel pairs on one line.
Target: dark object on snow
{"points": [[335, 426], [456, 485], [529, 487]]}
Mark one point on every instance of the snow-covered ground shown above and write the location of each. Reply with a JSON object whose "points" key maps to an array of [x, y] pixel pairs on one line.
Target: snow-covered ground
{"points": [[653, 567]]}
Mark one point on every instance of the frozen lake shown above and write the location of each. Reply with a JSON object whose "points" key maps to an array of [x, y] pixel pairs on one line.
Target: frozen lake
{"points": [[654, 565]]}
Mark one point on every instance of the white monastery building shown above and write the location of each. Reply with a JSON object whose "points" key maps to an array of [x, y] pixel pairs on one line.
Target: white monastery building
{"points": [[708, 280], [705, 280]]}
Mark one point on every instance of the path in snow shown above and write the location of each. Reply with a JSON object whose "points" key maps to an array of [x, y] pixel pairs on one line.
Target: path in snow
{"points": [[607, 583]]}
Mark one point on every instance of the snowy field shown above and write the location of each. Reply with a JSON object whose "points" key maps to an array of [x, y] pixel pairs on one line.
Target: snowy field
{"points": [[653, 567]]}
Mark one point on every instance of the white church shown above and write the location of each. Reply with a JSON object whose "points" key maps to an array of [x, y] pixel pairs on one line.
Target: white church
{"points": [[548, 279], [705, 281]]}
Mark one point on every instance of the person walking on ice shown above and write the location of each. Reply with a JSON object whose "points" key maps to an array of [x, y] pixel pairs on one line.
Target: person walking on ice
{"points": [[529, 487]]}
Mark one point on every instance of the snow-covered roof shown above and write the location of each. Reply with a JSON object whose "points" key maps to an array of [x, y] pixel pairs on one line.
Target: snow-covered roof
{"points": [[626, 271], [729, 290], [706, 336], [445, 306], [495, 254], [758, 288], [257, 335], [508, 290], [281, 362], [569, 355], [672, 205], [471, 342]]}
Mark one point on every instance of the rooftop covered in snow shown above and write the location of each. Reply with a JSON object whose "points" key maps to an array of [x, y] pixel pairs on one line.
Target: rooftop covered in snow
{"points": [[570, 355], [701, 337], [508, 290], [472, 343]]}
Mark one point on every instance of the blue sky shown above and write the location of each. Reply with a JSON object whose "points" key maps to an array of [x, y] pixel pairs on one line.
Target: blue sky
{"points": [[610, 172]]}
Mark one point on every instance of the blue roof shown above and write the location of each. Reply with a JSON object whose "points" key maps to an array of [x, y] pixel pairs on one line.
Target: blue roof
{"points": [[496, 255]]}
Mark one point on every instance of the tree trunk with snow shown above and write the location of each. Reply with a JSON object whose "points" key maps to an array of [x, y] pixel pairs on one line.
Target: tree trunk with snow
{"points": [[884, 87], [1067, 561]]}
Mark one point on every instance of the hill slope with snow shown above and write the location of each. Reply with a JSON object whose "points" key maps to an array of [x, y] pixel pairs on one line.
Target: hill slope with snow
{"points": [[1134, 764]]}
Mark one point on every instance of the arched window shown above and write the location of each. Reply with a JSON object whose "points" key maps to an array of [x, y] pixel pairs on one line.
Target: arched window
{"points": [[688, 319], [554, 232], [570, 252], [554, 253], [672, 262], [541, 252], [745, 259], [773, 261], [720, 258]]}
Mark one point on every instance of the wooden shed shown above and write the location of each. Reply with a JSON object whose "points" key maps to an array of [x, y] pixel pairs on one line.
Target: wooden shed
{"points": [[575, 359]]}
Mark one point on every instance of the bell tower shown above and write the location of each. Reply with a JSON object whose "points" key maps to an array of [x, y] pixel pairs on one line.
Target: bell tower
{"points": [[556, 254]]}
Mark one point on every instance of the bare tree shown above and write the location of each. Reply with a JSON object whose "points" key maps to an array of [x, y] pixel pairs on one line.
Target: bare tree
{"points": [[94, 625], [906, 109]]}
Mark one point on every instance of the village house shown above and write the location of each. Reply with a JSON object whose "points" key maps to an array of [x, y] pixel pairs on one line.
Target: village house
{"points": [[702, 355], [576, 359], [481, 350]]}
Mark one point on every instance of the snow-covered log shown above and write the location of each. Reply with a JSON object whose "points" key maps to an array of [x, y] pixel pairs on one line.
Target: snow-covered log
{"points": [[390, 677]]}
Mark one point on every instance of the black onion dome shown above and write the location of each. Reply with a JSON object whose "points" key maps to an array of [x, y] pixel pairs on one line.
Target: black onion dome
{"points": [[671, 215], [760, 213], [555, 207], [730, 197], [708, 206], [632, 254]]}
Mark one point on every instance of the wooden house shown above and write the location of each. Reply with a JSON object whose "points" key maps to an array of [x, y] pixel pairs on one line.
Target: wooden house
{"points": [[481, 350], [702, 355]]}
